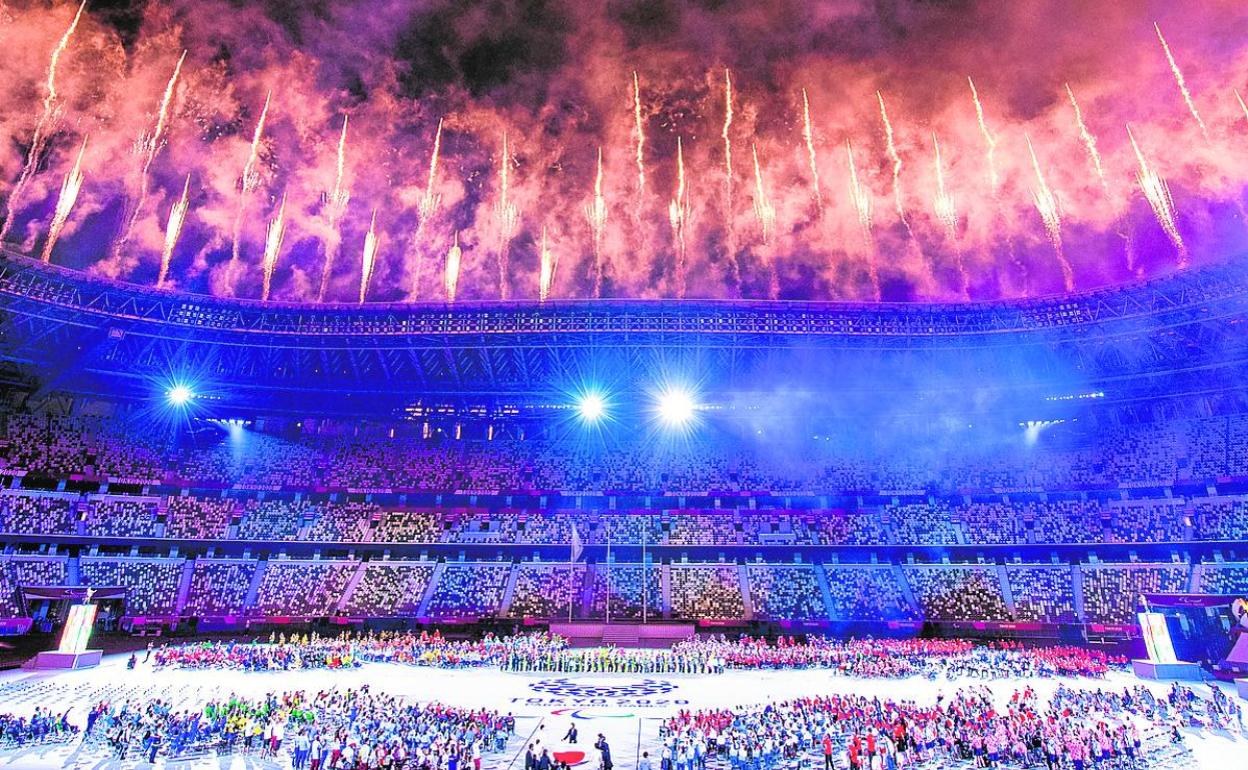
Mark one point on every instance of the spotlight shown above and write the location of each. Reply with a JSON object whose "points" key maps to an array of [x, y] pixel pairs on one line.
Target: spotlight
{"points": [[591, 407], [179, 395], [676, 407]]}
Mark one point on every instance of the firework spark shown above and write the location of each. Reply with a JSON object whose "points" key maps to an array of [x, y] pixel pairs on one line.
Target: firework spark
{"points": [[596, 214], [1242, 106], [453, 256], [943, 204], [173, 230], [1157, 193], [895, 159], [858, 195], [250, 179], [546, 276], [727, 144], [65, 203], [336, 201], [1050, 213], [273, 247], [369, 259], [947, 213], [43, 126], [990, 141], [764, 211], [1089, 141], [430, 200], [1181, 82], [507, 216], [640, 130], [148, 147], [808, 135], [862, 205], [678, 215]]}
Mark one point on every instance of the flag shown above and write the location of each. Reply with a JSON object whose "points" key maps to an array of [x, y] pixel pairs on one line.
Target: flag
{"points": [[577, 547]]}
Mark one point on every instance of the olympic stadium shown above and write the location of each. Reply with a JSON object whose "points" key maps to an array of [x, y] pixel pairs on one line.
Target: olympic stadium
{"points": [[663, 384]]}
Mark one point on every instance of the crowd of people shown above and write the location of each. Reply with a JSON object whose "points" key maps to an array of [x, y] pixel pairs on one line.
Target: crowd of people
{"points": [[336, 729]]}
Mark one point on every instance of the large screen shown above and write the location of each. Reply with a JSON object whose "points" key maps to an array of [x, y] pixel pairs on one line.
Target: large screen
{"points": [[1157, 637], [77, 628]]}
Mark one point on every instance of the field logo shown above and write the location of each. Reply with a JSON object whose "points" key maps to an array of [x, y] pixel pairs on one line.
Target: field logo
{"points": [[570, 689]]}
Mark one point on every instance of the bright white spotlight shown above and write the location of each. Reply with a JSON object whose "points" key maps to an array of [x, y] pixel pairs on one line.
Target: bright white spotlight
{"points": [[179, 395], [591, 407], [676, 407]]}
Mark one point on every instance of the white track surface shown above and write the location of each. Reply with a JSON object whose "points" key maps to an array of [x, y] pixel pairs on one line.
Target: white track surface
{"points": [[630, 723]]}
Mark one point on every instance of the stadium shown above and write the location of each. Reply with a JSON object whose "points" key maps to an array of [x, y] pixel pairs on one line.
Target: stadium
{"points": [[434, 437]]}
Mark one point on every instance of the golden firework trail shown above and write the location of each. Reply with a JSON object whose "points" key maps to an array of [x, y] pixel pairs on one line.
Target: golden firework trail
{"points": [[947, 213], [65, 203], [369, 259], [430, 200], [808, 135], [43, 126], [1157, 193], [678, 215], [148, 147], [336, 200], [727, 144], [943, 204], [273, 247], [546, 276], [1089, 141], [639, 127], [596, 214], [862, 205], [250, 178], [1050, 213], [990, 141], [895, 159], [764, 211], [508, 217], [1181, 82], [1242, 106], [173, 230], [453, 256]]}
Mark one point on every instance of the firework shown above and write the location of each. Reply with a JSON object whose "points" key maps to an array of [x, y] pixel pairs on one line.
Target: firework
{"points": [[336, 207], [808, 135], [678, 215], [65, 203], [943, 204], [43, 126], [727, 144], [990, 141], [858, 195], [764, 211], [430, 200], [173, 230], [1242, 106], [1157, 193], [1089, 141], [1181, 82], [947, 213], [641, 143], [453, 256], [273, 246], [862, 205], [546, 276], [596, 214], [250, 178], [148, 147], [507, 216], [369, 259], [895, 159], [1050, 213]]}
